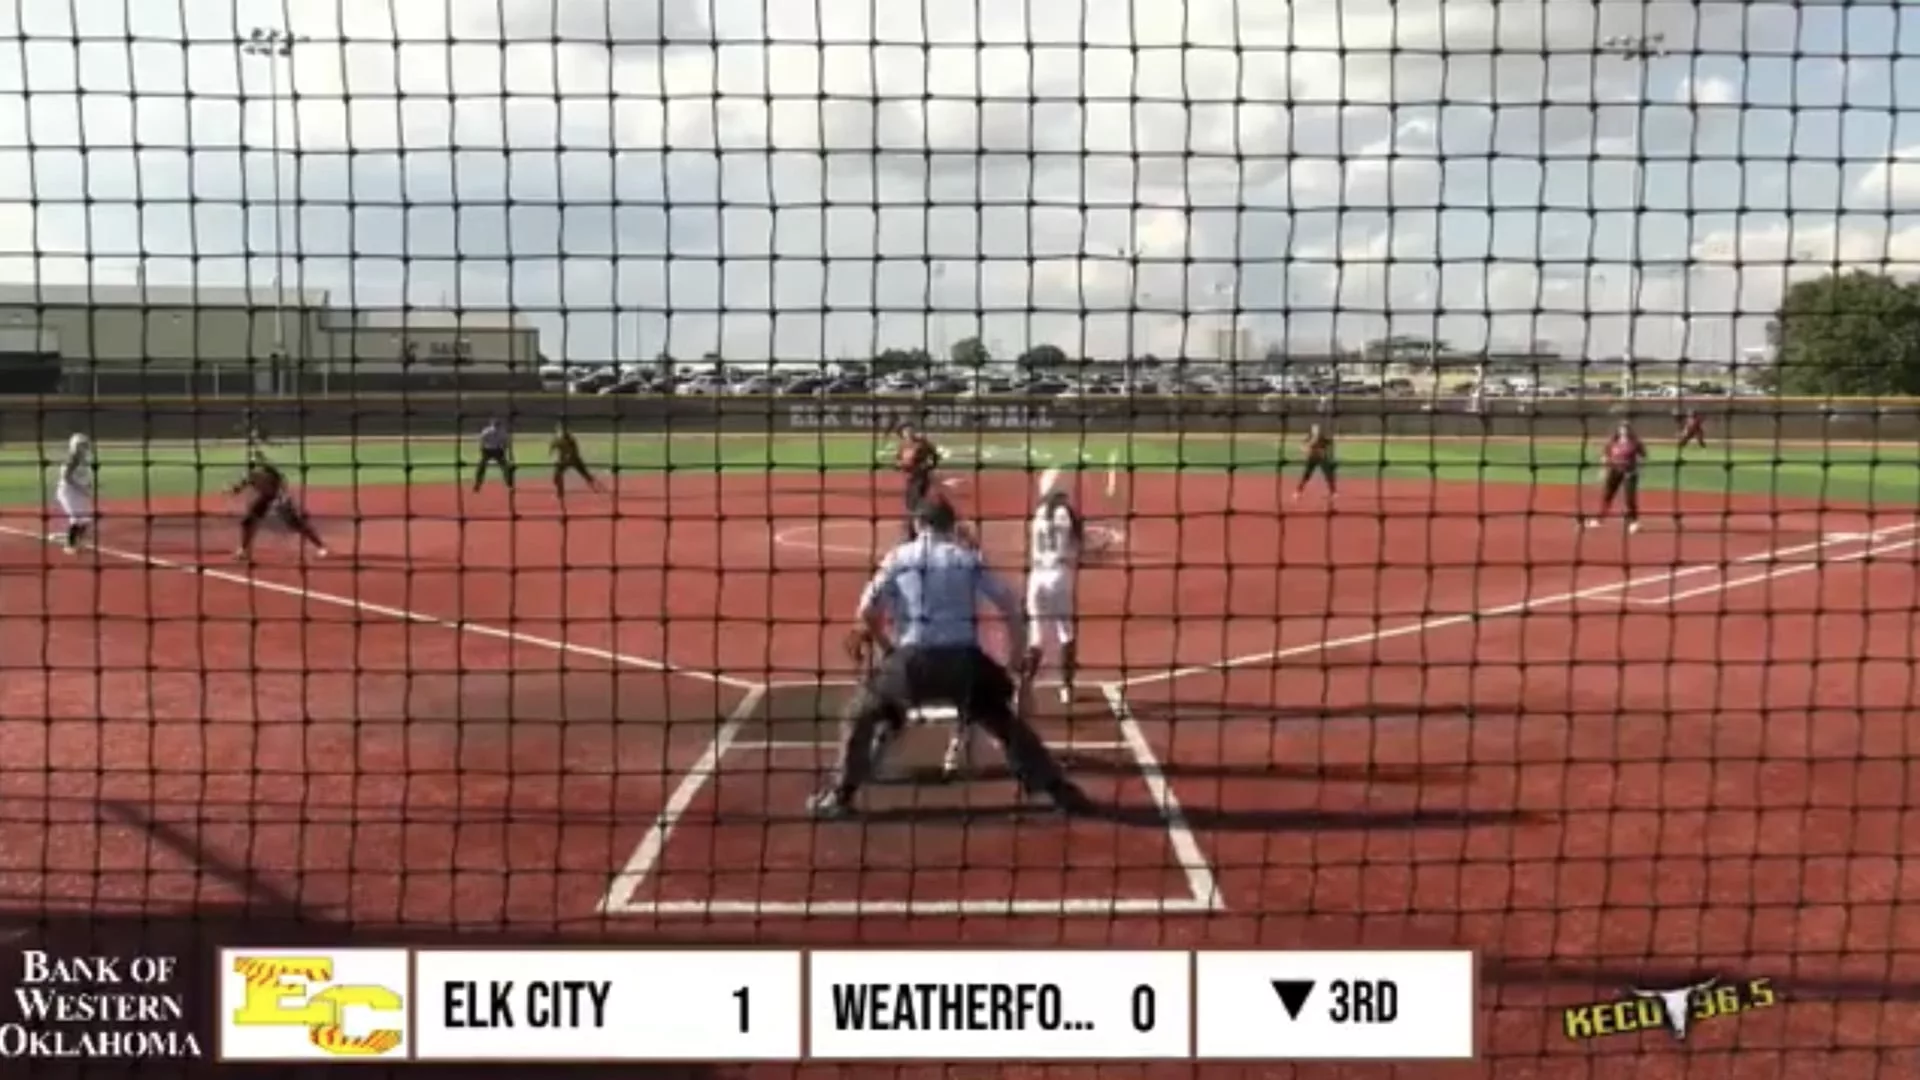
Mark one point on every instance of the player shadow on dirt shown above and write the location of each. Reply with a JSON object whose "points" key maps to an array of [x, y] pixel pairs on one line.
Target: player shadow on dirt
{"points": [[1294, 715], [1203, 818], [1081, 764]]}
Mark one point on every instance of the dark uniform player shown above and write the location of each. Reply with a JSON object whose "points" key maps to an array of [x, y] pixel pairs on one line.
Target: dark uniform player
{"points": [[267, 494], [1622, 458], [565, 451], [917, 457], [496, 448], [1693, 430], [1319, 448], [931, 587]]}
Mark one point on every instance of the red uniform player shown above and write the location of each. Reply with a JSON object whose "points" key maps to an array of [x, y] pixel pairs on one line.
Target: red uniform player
{"points": [[916, 457], [267, 494], [1693, 430], [1319, 448], [1622, 458]]}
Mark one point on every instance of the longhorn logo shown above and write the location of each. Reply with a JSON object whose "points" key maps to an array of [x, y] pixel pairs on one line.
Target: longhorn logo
{"points": [[1678, 1005]]}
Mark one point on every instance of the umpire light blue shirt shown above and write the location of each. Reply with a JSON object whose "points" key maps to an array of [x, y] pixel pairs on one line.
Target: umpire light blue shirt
{"points": [[932, 586]]}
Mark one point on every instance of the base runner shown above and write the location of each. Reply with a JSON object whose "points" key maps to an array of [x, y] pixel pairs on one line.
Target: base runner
{"points": [[73, 490]]}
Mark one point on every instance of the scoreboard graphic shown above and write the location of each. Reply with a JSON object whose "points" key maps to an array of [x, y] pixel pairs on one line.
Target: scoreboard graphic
{"points": [[628, 1005]]}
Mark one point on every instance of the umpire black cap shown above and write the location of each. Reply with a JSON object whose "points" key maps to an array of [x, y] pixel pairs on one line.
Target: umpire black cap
{"points": [[935, 515]]}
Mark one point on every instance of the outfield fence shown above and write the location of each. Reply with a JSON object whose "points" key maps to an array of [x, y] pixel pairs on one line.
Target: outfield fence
{"points": [[135, 418]]}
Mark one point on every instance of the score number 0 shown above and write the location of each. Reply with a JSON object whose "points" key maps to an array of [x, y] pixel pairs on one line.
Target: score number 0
{"points": [[1144, 1008]]}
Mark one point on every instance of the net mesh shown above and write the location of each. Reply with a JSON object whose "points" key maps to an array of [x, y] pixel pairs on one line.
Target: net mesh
{"points": [[1419, 684]]}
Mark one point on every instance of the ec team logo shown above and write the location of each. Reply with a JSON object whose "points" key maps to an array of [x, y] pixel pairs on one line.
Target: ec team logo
{"points": [[313, 1005]]}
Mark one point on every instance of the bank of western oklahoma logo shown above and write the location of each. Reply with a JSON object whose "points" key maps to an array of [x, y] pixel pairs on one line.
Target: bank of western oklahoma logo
{"points": [[284, 992]]}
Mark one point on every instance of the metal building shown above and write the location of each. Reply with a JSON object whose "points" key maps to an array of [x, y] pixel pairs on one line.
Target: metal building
{"points": [[168, 339]]}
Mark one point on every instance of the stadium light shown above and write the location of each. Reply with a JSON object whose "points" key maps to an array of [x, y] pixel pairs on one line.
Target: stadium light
{"points": [[275, 46]]}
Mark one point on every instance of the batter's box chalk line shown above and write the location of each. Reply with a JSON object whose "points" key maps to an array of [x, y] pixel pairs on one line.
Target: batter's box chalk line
{"points": [[1202, 885]]}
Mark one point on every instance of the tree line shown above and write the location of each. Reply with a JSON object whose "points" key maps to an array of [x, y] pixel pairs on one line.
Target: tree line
{"points": [[1850, 334]]}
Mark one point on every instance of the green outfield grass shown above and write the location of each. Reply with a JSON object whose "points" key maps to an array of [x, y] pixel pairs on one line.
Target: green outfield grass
{"points": [[1853, 473]]}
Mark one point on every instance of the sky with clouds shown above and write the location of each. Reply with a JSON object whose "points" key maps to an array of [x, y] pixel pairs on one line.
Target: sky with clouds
{"points": [[830, 177]]}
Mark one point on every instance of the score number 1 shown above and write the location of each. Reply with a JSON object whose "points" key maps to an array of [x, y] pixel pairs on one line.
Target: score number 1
{"points": [[740, 996]]}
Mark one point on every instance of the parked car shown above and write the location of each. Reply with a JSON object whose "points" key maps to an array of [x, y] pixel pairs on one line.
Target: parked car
{"points": [[702, 385], [595, 382]]}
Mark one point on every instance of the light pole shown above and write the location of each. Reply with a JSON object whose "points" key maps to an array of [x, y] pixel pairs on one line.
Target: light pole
{"points": [[1640, 50], [276, 46]]}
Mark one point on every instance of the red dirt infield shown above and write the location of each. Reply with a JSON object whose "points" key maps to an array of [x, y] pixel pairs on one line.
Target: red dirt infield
{"points": [[1431, 715]]}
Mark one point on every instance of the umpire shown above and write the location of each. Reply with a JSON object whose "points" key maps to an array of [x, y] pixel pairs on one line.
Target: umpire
{"points": [[932, 586]]}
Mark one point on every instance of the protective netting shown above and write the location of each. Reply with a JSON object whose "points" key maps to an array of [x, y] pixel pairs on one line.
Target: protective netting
{"points": [[1165, 259]]}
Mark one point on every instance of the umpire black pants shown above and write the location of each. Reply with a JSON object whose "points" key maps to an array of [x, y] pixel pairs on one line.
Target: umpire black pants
{"points": [[498, 459], [967, 679]]}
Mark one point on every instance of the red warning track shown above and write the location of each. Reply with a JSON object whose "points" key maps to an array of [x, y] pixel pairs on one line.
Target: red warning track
{"points": [[1438, 715]]}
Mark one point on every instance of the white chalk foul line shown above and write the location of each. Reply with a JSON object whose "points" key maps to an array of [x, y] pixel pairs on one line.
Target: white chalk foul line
{"points": [[1532, 603], [647, 853], [1775, 574], [366, 607], [1186, 847]]}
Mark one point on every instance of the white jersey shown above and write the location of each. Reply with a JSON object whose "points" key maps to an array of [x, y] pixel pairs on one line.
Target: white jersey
{"points": [[1051, 536], [75, 474], [73, 488]]}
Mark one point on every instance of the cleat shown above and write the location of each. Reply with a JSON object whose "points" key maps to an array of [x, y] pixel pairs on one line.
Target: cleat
{"points": [[959, 757], [829, 805], [1633, 527], [1066, 695], [1593, 523], [320, 553]]}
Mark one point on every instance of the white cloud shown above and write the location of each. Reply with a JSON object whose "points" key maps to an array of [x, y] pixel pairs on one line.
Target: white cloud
{"points": [[804, 165], [1893, 183], [1710, 90]]}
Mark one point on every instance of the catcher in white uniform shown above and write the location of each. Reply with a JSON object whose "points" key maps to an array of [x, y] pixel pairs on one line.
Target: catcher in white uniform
{"points": [[74, 491]]}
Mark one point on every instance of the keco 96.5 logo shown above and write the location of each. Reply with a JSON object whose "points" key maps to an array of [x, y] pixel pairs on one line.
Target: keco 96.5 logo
{"points": [[1675, 1010]]}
